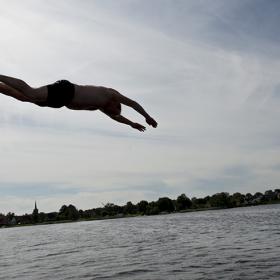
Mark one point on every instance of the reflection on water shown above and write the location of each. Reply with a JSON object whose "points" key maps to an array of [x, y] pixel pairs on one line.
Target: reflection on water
{"points": [[240, 243]]}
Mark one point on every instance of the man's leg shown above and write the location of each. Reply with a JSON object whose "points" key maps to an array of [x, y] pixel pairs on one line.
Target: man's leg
{"points": [[7, 90], [15, 83], [34, 95]]}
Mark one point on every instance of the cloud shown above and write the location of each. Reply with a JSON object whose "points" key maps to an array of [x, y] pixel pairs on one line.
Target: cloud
{"points": [[200, 69], [27, 190]]}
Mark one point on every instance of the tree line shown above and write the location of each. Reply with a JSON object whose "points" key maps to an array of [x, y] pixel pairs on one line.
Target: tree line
{"points": [[161, 206]]}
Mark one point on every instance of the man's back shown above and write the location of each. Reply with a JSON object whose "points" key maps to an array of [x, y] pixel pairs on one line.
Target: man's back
{"points": [[90, 97]]}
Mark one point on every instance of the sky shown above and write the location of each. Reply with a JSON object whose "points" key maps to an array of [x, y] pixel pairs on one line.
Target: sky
{"points": [[207, 71]]}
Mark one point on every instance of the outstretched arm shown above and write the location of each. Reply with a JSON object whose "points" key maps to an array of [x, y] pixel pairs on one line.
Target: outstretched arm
{"points": [[122, 119], [137, 107]]}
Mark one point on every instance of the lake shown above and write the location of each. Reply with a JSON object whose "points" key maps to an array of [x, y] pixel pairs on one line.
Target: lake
{"points": [[239, 243]]}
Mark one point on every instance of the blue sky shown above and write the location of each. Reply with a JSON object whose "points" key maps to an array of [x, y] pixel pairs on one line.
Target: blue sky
{"points": [[206, 70]]}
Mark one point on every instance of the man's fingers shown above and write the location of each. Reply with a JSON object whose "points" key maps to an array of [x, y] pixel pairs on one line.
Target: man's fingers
{"points": [[139, 127], [142, 128]]}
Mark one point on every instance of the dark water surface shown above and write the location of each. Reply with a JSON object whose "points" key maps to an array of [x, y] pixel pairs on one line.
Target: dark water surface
{"points": [[240, 243]]}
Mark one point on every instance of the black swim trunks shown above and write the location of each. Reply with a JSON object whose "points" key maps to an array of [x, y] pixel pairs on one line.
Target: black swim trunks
{"points": [[60, 94]]}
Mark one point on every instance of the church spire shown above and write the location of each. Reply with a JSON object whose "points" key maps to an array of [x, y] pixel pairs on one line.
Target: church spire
{"points": [[35, 211]]}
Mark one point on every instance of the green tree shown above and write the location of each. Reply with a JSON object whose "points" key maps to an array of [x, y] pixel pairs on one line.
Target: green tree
{"points": [[143, 206], [152, 208], [42, 217], [200, 202], [249, 197], [52, 216], [81, 213], [3, 220], [10, 216], [165, 204], [237, 199], [73, 213], [110, 209], [183, 202], [62, 210], [68, 213], [220, 200], [130, 208]]}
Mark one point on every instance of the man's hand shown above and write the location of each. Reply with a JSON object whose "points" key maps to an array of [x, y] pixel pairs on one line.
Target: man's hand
{"points": [[151, 121], [138, 126]]}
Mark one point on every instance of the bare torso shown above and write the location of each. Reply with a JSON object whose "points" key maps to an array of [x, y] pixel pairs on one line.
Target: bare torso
{"points": [[90, 97]]}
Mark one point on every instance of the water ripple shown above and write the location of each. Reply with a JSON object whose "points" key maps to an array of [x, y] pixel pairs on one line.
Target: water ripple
{"points": [[234, 244]]}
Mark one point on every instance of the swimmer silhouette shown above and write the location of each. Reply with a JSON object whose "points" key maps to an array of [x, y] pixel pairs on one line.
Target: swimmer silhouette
{"points": [[75, 97]]}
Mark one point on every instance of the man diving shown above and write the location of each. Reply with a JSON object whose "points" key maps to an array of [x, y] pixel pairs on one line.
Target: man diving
{"points": [[75, 97]]}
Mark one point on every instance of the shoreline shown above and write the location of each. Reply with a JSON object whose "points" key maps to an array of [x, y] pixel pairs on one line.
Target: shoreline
{"points": [[133, 216]]}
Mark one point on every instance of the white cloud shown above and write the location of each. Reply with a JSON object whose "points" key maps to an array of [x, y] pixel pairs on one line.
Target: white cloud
{"points": [[217, 108]]}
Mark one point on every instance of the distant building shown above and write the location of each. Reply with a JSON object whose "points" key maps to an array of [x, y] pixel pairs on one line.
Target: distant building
{"points": [[35, 214], [35, 211]]}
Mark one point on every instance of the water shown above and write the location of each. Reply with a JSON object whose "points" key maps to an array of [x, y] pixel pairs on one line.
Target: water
{"points": [[241, 243]]}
